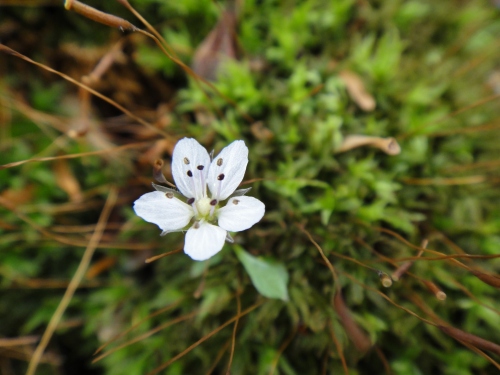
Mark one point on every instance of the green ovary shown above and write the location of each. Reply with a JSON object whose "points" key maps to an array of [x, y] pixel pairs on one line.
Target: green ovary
{"points": [[204, 207]]}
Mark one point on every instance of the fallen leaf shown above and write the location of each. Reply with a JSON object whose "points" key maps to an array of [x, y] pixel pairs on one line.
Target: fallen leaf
{"points": [[18, 197], [260, 132], [220, 44], [66, 180], [355, 333], [389, 145], [357, 91]]}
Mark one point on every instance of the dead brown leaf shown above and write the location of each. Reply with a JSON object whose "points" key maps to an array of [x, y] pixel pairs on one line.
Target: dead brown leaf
{"points": [[357, 91], [219, 45], [67, 181], [18, 197], [389, 145], [357, 336], [260, 132]]}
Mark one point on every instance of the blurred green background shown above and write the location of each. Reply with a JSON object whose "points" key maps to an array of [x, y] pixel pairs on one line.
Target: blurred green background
{"points": [[294, 79]]}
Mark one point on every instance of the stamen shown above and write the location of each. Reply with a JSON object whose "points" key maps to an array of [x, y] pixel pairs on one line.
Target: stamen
{"points": [[236, 201], [220, 187], [219, 178], [203, 185], [219, 162], [191, 201], [169, 195], [229, 238], [196, 225], [213, 203], [186, 161], [194, 209], [190, 174]]}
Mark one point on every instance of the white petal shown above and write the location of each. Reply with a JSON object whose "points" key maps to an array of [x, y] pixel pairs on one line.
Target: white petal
{"points": [[169, 214], [240, 213], [204, 242], [189, 155], [231, 164]]}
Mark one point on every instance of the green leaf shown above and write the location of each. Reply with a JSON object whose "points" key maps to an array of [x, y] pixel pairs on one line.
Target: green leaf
{"points": [[269, 277]]}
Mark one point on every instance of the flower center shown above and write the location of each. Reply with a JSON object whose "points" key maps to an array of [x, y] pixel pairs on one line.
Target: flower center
{"points": [[203, 205]]}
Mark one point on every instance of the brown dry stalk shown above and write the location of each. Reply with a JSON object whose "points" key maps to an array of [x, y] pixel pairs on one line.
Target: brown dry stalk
{"points": [[469, 180], [104, 64], [487, 164], [204, 338], [451, 115], [18, 341], [442, 324], [82, 228], [355, 333], [339, 348], [477, 60], [34, 115], [218, 357], [469, 338], [10, 51], [494, 125], [146, 335], [132, 10], [74, 156], [481, 353], [29, 3], [75, 281], [388, 299], [68, 241], [418, 301], [170, 53], [152, 259], [101, 266], [396, 275], [474, 298], [233, 337], [246, 182], [281, 349], [384, 360], [448, 242], [403, 240], [24, 354], [48, 284], [98, 16], [492, 280], [452, 256], [327, 262], [434, 289], [152, 315]]}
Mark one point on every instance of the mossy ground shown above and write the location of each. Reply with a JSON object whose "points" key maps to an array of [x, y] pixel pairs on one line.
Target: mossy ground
{"points": [[429, 66]]}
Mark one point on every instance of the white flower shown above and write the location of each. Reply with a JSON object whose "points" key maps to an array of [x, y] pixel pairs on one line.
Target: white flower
{"points": [[193, 172]]}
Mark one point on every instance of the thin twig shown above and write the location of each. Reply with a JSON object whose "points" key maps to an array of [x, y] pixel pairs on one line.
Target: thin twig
{"points": [[75, 281], [204, 338]]}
